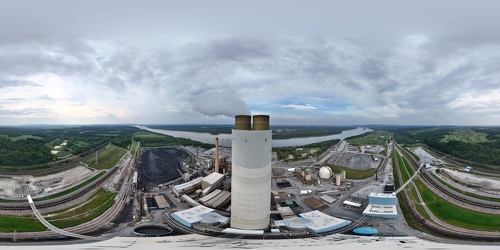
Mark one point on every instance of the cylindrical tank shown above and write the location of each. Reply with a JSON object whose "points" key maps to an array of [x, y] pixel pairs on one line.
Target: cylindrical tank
{"points": [[338, 179], [260, 122], [243, 122], [308, 174], [342, 173], [251, 179], [308, 177], [325, 173]]}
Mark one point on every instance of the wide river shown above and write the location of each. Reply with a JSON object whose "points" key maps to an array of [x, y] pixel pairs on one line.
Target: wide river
{"points": [[225, 139]]}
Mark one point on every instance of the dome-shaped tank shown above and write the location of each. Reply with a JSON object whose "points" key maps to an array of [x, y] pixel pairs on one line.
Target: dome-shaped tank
{"points": [[325, 173]]}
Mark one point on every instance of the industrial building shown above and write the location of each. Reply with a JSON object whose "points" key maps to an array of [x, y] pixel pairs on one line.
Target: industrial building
{"points": [[211, 182], [381, 205], [195, 215], [186, 188], [314, 221], [251, 173]]}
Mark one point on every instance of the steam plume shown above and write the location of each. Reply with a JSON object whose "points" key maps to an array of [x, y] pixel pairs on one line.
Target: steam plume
{"points": [[212, 104]]}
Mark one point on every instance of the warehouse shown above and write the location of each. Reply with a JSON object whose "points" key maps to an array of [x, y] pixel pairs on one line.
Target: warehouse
{"points": [[314, 203], [186, 188], [322, 223]]}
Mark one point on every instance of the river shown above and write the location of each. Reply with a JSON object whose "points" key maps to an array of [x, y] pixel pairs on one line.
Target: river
{"points": [[225, 139]]}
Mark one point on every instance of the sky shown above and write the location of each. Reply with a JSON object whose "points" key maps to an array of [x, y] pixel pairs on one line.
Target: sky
{"points": [[202, 62]]}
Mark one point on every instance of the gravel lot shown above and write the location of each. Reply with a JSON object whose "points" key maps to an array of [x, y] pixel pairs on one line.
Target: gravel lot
{"points": [[353, 161], [43, 185]]}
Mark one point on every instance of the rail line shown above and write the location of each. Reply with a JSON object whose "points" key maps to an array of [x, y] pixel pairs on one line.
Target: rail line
{"points": [[437, 226], [461, 198], [73, 196], [54, 169], [104, 221]]}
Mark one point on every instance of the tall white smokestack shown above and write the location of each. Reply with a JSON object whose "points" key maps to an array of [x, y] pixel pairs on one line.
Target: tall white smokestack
{"points": [[251, 173]]}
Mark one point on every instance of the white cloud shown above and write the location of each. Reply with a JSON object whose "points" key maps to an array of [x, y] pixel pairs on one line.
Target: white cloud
{"points": [[407, 79], [306, 107], [477, 103]]}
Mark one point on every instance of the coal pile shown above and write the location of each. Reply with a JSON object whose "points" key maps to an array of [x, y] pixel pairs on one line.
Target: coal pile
{"points": [[160, 165]]}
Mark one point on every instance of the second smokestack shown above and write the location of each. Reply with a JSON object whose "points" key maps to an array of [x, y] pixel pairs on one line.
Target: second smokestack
{"points": [[216, 166]]}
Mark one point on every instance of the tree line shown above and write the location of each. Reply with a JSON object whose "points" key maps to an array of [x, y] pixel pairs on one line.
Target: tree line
{"points": [[482, 152], [284, 152], [81, 140]]}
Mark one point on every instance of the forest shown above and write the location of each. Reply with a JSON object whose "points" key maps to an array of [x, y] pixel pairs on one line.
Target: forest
{"points": [[284, 152], [450, 140], [32, 145], [158, 140]]}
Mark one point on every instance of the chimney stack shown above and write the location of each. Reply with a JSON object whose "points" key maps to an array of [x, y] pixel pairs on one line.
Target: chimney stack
{"points": [[216, 165]]}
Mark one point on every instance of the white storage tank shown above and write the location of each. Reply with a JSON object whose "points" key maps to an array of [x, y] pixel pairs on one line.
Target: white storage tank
{"points": [[251, 173], [338, 179], [325, 173]]}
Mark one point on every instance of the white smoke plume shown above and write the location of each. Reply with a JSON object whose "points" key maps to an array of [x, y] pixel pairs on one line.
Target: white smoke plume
{"points": [[213, 104]]}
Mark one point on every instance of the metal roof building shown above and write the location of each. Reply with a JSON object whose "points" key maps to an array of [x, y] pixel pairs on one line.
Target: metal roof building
{"points": [[322, 223], [187, 187], [212, 180], [199, 214]]}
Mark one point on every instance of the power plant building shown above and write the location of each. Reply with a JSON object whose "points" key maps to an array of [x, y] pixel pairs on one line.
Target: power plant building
{"points": [[251, 173], [381, 205]]}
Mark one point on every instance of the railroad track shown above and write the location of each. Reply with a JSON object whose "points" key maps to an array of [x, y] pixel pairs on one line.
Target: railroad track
{"points": [[437, 185], [75, 195], [53, 169], [104, 221], [480, 206], [436, 225], [94, 225]]}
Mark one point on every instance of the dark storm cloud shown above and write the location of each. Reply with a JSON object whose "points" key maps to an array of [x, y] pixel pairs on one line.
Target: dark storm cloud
{"points": [[236, 49]]}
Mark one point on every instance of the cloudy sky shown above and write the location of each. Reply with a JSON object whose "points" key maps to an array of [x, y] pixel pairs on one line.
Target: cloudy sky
{"points": [[320, 63]]}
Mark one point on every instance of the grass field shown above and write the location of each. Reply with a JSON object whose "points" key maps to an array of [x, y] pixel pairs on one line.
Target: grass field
{"points": [[373, 138], [22, 137], [134, 145], [22, 224], [147, 134], [465, 135], [446, 211], [352, 173], [419, 131], [108, 158], [100, 202], [458, 216]]}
